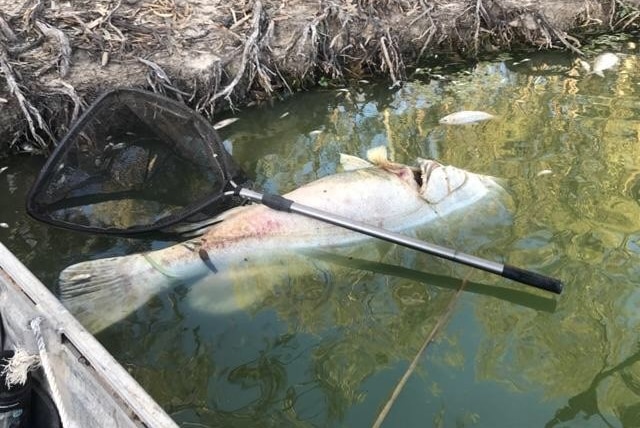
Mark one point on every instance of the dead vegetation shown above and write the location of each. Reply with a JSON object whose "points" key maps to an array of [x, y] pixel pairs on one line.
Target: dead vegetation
{"points": [[56, 56]]}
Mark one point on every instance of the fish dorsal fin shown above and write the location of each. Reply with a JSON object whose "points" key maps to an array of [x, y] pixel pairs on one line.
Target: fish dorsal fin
{"points": [[378, 155], [351, 163]]}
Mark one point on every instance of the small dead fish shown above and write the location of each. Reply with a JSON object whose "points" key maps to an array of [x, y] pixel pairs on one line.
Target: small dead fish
{"points": [[27, 148], [464, 117], [283, 115], [4, 225], [225, 122], [151, 164], [522, 61], [115, 146], [544, 172], [584, 65], [604, 62], [80, 277], [3, 169], [316, 132]]}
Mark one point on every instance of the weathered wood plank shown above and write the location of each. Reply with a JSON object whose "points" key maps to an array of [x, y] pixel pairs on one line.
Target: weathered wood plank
{"points": [[96, 390]]}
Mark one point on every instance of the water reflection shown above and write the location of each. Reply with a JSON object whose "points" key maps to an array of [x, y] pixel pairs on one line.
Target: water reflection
{"points": [[326, 349]]}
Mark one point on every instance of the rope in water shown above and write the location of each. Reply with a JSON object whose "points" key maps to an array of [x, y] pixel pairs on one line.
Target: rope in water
{"points": [[48, 372], [405, 377]]}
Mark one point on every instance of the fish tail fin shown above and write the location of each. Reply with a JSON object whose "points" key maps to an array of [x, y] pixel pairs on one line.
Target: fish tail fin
{"points": [[101, 292]]}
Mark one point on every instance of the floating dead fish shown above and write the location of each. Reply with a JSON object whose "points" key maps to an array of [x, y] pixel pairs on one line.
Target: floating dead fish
{"points": [[465, 117], [316, 132], [584, 65], [80, 277], [27, 148], [544, 172], [522, 61], [225, 122], [3, 169], [114, 147], [283, 115], [390, 195], [4, 225], [604, 62]]}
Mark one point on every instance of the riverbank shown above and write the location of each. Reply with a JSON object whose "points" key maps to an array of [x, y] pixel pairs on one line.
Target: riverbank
{"points": [[55, 58]]}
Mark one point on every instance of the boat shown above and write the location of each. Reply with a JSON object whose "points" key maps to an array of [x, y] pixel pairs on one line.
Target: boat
{"points": [[77, 383]]}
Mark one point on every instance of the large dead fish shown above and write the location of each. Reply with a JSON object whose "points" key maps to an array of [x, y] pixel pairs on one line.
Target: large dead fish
{"points": [[382, 193]]}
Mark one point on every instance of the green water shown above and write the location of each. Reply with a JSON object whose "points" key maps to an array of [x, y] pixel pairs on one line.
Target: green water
{"points": [[328, 348]]}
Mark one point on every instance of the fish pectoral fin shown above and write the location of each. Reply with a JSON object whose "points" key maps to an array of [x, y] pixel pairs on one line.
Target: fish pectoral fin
{"points": [[101, 292]]}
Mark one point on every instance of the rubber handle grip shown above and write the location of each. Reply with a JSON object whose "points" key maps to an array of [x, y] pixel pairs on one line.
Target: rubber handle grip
{"points": [[277, 202], [533, 279]]}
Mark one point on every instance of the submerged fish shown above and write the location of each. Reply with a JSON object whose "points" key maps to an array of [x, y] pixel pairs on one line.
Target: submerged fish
{"points": [[386, 194], [464, 117], [604, 62]]}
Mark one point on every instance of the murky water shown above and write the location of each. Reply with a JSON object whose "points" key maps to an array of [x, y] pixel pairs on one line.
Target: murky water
{"points": [[329, 347]]}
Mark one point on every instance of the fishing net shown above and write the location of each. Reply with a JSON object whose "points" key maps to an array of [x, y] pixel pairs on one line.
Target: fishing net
{"points": [[135, 162]]}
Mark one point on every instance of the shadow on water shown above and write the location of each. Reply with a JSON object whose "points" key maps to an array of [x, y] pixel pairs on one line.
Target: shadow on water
{"points": [[326, 348], [518, 297]]}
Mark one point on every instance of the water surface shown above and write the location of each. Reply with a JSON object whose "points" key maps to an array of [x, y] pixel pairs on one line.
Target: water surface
{"points": [[328, 348]]}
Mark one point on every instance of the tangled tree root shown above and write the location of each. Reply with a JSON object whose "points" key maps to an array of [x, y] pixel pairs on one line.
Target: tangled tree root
{"points": [[216, 55]]}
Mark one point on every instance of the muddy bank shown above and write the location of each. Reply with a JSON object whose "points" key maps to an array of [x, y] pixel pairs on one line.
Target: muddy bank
{"points": [[55, 57]]}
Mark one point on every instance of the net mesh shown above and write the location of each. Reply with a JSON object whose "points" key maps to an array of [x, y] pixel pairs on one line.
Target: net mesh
{"points": [[135, 162]]}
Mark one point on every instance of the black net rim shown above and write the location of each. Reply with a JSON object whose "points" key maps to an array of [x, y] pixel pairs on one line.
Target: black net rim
{"points": [[63, 147]]}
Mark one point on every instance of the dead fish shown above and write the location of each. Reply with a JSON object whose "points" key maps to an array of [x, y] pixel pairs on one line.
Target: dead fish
{"points": [[544, 172], [315, 132], [225, 122], [80, 277], [4, 225], [465, 117], [390, 195], [584, 65], [604, 62], [3, 169]]}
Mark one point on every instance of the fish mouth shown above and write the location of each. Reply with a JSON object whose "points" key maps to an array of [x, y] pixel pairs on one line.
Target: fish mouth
{"points": [[424, 171], [436, 181]]}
